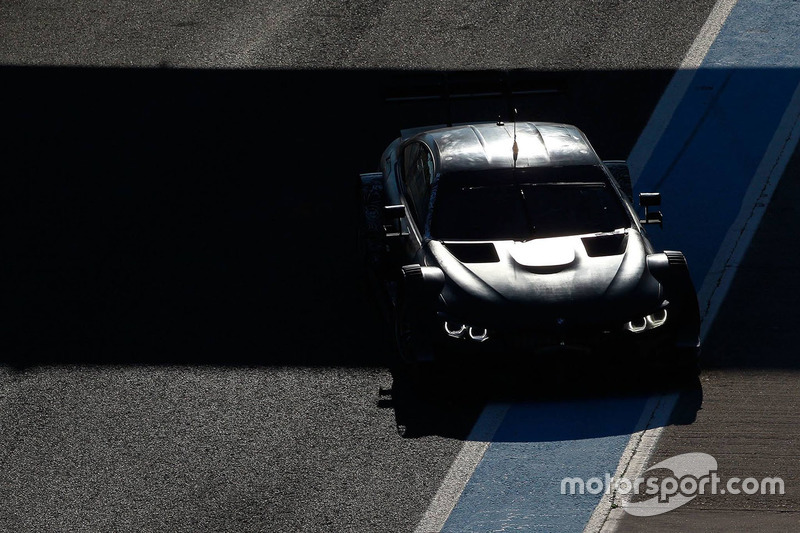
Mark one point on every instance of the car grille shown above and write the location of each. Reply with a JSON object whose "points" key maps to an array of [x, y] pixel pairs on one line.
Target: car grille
{"points": [[586, 337]]}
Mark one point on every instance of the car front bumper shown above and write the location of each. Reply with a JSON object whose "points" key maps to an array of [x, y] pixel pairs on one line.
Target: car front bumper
{"points": [[590, 344]]}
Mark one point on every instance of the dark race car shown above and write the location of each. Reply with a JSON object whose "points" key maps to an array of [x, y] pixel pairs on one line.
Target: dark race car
{"points": [[516, 243]]}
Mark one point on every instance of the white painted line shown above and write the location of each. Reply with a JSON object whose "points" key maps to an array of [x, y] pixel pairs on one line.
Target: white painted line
{"points": [[605, 519], [655, 417], [607, 516], [641, 445], [715, 286], [462, 468], [756, 200], [677, 87]]}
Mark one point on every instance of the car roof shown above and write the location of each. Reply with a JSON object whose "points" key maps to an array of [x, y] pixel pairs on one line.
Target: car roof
{"points": [[487, 145]]}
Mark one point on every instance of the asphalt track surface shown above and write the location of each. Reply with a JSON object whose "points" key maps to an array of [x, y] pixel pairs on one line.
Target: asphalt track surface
{"points": [[749, 419], [190, 346]]}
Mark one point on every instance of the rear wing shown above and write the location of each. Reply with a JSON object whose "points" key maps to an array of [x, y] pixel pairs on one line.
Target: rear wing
{"points": [[442, 99]]}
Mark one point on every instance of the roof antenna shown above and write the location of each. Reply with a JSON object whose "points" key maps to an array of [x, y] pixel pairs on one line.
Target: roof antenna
{"points": [[515, 147]]}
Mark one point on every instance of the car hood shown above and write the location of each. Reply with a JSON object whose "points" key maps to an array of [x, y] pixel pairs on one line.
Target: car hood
{"points": [[592, 278]]}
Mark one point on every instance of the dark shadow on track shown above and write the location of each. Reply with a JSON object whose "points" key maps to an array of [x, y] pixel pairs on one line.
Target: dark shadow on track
{"points": [[764, 292], [450, 404], [159, 216], [207, 216]]}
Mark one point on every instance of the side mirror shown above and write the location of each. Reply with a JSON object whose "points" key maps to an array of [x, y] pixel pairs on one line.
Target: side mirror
{"points": [[393, 212], [653, 217], [648, 200], [391, 217]]}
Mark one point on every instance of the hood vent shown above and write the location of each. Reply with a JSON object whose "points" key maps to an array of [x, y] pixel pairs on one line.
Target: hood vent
{"points": [[603, 245], [473, 252]]}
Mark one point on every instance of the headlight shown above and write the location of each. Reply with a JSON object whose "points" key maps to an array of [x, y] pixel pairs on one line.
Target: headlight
{"points": [[454, 330], [478, 334], [652, 321], [463, 331]]}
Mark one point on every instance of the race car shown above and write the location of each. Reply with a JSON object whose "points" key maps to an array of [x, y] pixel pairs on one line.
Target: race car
{"points": [[515, 242]]}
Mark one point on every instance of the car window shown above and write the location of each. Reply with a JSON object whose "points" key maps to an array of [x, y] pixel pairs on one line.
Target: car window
{"points": [[417, 178], [526, 205]]}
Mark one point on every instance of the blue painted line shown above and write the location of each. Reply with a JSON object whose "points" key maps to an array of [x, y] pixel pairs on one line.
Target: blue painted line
{"points": [[517, 486], [710, 151], [703, 165]]}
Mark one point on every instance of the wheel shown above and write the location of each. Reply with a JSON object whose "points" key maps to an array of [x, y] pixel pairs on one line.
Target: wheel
{"points": [[405, 335], [415, 358], [683, 366], [688, 361]]}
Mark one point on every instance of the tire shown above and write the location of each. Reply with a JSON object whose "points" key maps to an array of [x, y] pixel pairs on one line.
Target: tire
{"points": [[405, 335], [688, 362], [414, 351], [684, 366]]}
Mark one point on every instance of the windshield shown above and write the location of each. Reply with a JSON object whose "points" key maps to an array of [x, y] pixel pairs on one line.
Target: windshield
{"points": [[523, 204]]}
